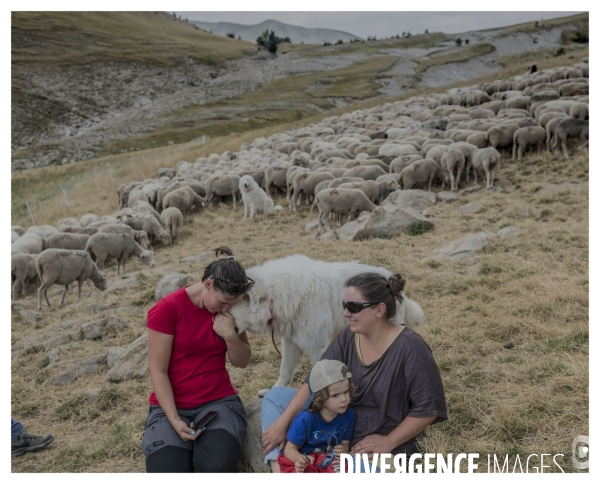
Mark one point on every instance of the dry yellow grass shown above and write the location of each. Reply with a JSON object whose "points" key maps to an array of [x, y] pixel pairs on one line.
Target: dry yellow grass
{"points": [[508, 327]]}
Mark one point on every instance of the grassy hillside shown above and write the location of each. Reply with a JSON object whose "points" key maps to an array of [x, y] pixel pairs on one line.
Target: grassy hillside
{"points": [[60, 39]]}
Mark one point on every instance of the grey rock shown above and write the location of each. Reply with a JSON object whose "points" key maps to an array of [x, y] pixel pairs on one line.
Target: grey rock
{"points": [[328, 236], [469, 208], [71, 323], [96, 307], [93, 394], [447, 197], [127, 310], [252, 449], [113, 354], [310, 226], [463, 247], [507, 232], [133, 363], [386, 221], [30, 316], [97, 329], [87, 367], [417, 200], [34, 339], [471, 189], [122, 281], [56, 341], [196, 258], [170, 283], [53, 354]]}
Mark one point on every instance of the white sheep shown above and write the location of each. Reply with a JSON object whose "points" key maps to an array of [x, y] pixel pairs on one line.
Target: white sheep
{"points": [[221, 186], [422, 172], [119, 247], [306, 183], [148, 224], [529, 136], [67, 241], [63, 267], [488, 160], [28, 243], [184, 198], [22, 268], [341, 201], [173, 220], [140, 236], [453, 161]]}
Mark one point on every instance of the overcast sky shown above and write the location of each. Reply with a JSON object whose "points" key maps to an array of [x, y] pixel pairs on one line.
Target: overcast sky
{"points": [[381, 24]]}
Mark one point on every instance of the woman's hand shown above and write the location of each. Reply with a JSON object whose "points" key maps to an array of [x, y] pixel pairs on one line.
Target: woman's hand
{"points": [[373, 443], [224, 325], [184, 431], [273, 436]]}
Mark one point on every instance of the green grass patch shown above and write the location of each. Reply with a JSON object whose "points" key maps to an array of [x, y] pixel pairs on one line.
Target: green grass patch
{"points": [[418, 228]]}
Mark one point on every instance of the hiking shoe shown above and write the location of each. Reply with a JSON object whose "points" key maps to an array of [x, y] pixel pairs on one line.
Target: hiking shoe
{"points": [[29, 443]]}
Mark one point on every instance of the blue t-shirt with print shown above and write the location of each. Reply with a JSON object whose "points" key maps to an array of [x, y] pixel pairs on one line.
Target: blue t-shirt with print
{"points": [[310, 432]]}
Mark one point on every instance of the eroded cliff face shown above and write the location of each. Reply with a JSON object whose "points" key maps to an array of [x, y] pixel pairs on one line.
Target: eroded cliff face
{"points": [[69, 114]]}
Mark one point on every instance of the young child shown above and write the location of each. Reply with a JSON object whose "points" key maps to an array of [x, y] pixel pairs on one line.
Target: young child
{"points": [[318, 435]]}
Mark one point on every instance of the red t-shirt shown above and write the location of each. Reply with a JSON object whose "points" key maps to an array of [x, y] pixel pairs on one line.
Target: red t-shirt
{"points": [[197, 368]]}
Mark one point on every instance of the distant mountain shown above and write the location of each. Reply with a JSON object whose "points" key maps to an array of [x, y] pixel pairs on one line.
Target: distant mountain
{"points": [[297, 35]]}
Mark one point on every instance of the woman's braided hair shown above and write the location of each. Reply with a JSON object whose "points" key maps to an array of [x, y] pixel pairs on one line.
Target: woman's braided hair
{"points": [[228, 274], [376, 288]]}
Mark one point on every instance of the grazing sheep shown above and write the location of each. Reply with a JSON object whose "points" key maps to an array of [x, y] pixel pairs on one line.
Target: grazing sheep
{"points": [[173, 220], [421, 172], [117, 247], [28, 243], [376, 191], [529, 136], [67, 222], [170, 172], [365, 172], [18, 229], [341, 201], [63, 267], [453, 161], [306, 183], [275, 178], [87, 219], [398, 164], [184, 199], [566, 128], [73, 229], [580, 111], [148, 224], [221, 186], [67, 241], [14, 236], [488, 160], [393, 149], [344, 179], [22, 269], [501, 136], [140, 236]]}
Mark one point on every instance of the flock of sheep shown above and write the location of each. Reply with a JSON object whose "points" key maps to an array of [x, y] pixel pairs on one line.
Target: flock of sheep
{"points": [[345, 165]]}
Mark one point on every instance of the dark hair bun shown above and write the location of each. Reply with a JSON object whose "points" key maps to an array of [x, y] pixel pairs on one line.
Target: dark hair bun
{"points": [[223, 252], [396, 283]]}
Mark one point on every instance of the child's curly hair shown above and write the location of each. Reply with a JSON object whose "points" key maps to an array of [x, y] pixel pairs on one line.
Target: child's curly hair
{"points": [[319, 398]]}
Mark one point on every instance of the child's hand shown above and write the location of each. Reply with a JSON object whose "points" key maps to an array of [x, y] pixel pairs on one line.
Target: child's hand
{"points": [[341, 448], [303, 462]]}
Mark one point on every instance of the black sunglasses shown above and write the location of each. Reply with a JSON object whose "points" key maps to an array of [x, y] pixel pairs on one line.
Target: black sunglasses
{"points": [[357, 307], [246, 285]]}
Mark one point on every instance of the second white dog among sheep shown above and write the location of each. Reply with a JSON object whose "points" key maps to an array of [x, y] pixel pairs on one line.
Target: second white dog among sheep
{"points": [[255, 198]]}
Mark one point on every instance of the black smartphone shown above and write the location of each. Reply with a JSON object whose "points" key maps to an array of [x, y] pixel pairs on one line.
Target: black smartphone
{"points": [[203, 422]]}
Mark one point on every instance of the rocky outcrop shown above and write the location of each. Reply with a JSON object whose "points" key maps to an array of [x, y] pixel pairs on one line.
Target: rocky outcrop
{"points": [[417, 200], [252, 450], [386, 221], [133, 363], [170, 283], [97, 329], [87, 367], [463, 247]]}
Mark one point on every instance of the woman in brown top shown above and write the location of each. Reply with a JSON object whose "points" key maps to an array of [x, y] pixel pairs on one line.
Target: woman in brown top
{"points": [[399, 392]]}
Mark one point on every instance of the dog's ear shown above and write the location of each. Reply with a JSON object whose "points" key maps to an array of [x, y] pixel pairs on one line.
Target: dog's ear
{"points": [[255, 299]]}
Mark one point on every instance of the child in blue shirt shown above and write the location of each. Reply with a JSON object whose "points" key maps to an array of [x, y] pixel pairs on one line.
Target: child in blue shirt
{"points": [[318, 435]]}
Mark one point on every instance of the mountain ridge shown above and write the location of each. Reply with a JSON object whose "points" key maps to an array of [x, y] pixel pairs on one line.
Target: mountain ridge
{"points": [[297, 35]]}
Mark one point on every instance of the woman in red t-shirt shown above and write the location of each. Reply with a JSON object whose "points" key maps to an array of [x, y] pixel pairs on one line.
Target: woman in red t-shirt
{"points": [[190, 331]]}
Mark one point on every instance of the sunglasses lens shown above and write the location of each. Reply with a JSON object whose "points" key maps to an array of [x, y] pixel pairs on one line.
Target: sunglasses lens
{"points": [[249, 285], [353, 307]]}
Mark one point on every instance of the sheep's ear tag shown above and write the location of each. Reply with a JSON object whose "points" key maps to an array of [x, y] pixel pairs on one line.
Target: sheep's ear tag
{"points": [[343, 375]]}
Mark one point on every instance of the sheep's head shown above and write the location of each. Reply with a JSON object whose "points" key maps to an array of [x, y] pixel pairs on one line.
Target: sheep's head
{"points": [[164, 237], [148, 258]]}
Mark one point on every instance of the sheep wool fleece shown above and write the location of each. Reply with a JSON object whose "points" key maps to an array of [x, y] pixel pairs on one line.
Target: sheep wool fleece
{"points": [[197, 368]]}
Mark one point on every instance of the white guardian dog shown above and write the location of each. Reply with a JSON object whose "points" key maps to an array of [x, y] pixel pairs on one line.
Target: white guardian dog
{"points": [[255, 198], [300, 300]]}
